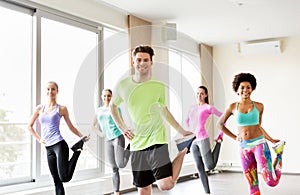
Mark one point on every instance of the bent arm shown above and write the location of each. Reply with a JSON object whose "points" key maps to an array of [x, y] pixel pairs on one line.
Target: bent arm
{"points": [[31, 123], [222, 121], [260, 106], [64, 112], [171, 120], [95, 127], [188, 118], [117, 118], [267, 136], [120, 122], [215, 111]]}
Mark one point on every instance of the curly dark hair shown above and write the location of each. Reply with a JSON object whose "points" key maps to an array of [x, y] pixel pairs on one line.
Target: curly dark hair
{"points": [[242, 77], [143, 49]]}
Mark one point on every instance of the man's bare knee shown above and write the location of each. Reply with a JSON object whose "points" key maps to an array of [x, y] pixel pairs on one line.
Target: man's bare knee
{"points": [[145, 190], [165, 184]]}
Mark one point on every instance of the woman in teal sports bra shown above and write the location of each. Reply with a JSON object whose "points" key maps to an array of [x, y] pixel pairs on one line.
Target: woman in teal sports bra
{"points": [[254, 149]]}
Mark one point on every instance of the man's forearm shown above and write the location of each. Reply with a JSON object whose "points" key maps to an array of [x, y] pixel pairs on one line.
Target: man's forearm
{"points": [[117, 118], [171, 120]]}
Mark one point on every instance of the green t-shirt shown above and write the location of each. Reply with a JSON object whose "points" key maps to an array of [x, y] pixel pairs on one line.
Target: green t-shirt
{"points": [[144, 102]]}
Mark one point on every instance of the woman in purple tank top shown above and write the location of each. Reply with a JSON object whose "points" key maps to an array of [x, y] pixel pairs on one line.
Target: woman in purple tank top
{"points": [[49, 116]]}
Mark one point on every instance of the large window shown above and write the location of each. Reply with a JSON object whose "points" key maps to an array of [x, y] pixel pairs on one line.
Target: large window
{"points": [[184, 78], [15, 97], [116, 57], [65, 52], [116, 67], [38, 46]]}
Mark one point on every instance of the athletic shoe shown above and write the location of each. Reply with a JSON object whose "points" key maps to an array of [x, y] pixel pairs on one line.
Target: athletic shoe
{"points": [[220, 137], [185, 142], [78, 145], [128, 147], [278, 147]]}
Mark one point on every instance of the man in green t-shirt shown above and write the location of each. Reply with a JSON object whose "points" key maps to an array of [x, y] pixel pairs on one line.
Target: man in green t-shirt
{"points": [[145, 101]]}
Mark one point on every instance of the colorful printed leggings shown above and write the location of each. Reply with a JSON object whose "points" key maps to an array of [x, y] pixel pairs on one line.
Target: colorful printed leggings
{"points": [[255, 152]]}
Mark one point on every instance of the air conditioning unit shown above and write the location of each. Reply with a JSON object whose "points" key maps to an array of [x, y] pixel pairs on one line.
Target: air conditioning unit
{"points": [[260, 47]]}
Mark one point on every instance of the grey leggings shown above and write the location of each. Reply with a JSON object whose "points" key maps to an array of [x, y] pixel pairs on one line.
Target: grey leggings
{"points": [[117, 158], [203, 156]]}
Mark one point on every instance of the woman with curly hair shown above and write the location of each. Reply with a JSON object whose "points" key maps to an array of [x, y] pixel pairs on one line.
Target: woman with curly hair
{"points": [[252, 138]]}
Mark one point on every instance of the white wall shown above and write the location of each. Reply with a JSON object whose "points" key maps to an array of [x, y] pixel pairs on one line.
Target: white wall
{"points": [[278, 89]]}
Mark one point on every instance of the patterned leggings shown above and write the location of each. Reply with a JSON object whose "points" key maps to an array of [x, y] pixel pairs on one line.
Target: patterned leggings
{"points": [[256, 151]]}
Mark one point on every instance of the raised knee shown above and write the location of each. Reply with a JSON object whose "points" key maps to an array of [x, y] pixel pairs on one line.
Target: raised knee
{"points": [[115, 169], [211, 166], [64, 178], [272, 184], [166, 186], [121, 165]]}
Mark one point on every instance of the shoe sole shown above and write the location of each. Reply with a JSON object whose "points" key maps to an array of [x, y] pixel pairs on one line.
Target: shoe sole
{"points": [[185, 143]]}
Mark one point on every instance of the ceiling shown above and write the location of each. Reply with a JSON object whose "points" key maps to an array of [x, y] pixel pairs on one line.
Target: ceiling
{"points": [[216, 22]]}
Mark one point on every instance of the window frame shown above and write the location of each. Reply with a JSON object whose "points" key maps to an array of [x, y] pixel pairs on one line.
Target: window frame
{"points": [[38, 12]]}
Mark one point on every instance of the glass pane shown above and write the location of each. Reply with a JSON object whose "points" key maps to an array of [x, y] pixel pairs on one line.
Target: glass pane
{"points": [[185, 76], [116, 59], [69, 57], [175, 101], [15, 78], [14, 151]]}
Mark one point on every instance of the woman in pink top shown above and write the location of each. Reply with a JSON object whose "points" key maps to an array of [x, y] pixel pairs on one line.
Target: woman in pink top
{"points": [[201, 150]]}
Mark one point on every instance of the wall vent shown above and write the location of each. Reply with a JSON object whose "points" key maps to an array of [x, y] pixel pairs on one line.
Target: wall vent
{"points": [[170, 31]]}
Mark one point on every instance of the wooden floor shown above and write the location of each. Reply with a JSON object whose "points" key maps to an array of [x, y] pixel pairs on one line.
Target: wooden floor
{"points": [[224, 183], [232, 184]]}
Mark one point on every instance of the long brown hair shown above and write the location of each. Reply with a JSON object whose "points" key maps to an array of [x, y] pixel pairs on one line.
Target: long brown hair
{"points": [[206, 91]]}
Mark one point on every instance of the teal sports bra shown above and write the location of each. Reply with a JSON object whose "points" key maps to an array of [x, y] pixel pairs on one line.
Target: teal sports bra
{"points": [[248, 119]]}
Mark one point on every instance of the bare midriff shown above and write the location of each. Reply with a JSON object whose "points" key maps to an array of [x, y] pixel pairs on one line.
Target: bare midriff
{"points": [[249, 132]]}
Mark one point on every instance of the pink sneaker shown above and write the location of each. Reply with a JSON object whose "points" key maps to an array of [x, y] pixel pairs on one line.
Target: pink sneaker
{"points": [[220, 137]]}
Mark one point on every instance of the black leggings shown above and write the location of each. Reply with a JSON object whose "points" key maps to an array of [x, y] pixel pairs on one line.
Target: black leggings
{"points": [[60, 166]]}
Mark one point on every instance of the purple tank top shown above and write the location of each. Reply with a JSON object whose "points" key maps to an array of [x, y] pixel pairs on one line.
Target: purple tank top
{"points": [[50, 126]]}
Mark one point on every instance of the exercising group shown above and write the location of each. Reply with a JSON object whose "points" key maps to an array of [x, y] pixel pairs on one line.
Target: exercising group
{"points": [[145, 101]]}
